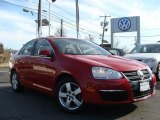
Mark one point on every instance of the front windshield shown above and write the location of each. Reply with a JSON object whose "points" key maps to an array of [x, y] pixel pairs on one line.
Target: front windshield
{"points": [[152, 48], [78, 47]]}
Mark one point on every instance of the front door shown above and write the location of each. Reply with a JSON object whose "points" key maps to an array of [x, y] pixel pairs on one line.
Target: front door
{"points": [[43, 67]]}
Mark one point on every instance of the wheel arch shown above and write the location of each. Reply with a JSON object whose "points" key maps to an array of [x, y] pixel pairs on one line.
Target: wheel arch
{"points": [[11, 71], [63, 75]]}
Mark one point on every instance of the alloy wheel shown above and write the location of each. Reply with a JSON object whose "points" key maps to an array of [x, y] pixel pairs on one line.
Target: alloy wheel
{"points": [[14, 81], [70, 96]]}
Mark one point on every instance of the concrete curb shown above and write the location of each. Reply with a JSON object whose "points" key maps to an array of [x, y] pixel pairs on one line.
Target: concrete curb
{"points": [[6, 65]]}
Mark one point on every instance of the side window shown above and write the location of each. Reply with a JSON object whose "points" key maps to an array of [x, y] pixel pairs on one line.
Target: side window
{"points": [[22, 49], [42, 45], [28, 48], [69, 49], [137, 49]]}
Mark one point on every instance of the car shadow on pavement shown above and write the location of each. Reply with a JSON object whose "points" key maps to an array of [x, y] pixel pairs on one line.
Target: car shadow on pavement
{"points": [[109, 111], [32, 105]]}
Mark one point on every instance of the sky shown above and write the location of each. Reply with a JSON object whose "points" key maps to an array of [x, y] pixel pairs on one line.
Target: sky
{"points": [[18, 27]]}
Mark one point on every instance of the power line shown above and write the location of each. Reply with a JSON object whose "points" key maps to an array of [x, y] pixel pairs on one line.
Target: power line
{"points": [[64, 11], [43, 15], [68, 19], [16, 5], [56, 19]]}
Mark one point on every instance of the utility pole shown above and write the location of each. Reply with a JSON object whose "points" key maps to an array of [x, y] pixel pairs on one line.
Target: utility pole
{"points": [[77, 17], [49, 26], [39, 19], [104, 25], [61, 27]]}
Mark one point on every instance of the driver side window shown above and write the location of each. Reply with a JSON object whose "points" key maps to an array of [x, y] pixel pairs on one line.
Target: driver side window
{"points": [[42, 45]]}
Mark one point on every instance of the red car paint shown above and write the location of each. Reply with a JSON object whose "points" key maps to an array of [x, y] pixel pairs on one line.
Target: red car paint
{"points": [[42, 73]]}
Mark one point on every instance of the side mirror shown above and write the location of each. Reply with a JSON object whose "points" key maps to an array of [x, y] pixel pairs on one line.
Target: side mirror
{"points": [[45, 53]]}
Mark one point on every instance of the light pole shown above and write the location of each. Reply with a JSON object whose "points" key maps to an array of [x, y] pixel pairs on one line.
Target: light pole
{"points": [[39, 19], [77, 17], [49, 26], [49, 4], [29, 11]]}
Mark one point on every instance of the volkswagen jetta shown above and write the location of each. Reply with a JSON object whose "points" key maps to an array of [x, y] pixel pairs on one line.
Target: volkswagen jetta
{"points": [[77, 72]]}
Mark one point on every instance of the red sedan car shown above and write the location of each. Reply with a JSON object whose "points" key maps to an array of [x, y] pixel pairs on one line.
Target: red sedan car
{"points": [[77, 71]]}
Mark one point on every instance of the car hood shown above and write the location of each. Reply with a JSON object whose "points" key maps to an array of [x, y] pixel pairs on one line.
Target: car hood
{"points": [[141, 56], [111, 61]]}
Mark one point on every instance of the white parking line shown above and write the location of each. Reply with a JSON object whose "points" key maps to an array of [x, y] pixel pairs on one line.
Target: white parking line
{"points": [[5, 84], [4, 71]]}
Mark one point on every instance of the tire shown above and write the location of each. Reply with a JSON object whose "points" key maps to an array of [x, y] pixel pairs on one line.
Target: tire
{"points": [[158, 72], [69, 95], [14, 79]]}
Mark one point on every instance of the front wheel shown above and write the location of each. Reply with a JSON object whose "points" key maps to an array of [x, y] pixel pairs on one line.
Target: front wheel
{"points": [[69, 95]]}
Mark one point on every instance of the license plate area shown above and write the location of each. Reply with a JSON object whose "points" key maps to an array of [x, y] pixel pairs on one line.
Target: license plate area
{"points": [[144, 86]]}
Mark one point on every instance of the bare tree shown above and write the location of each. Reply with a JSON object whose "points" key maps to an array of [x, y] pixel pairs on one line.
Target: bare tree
{"points": [[58, 32], [90, 38], [1, 48], [116, 45], [125, 49]]}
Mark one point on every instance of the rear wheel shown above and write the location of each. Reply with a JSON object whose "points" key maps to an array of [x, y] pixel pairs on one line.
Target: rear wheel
{"points": [[15, 82], [69, 95]]}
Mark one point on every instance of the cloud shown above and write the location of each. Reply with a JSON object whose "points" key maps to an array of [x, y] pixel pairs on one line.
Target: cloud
{"points": [[17, 29]]}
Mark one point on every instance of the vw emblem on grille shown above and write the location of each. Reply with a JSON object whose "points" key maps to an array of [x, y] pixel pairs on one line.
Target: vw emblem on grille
{"points": [[124, 24], [140, 74]]}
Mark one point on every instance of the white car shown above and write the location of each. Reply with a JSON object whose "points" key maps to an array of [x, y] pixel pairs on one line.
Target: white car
{"points": [[148, 54]]}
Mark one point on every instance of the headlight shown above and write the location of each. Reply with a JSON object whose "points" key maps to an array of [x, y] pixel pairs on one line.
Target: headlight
{"points": [[105, 73], [149, 60], [149, 70]]}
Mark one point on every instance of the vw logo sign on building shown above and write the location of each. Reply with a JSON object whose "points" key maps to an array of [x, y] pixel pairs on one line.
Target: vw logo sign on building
{"points": [[124, 24]]}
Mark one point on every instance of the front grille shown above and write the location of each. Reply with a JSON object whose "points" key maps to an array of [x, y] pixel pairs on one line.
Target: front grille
{"points": [[135, 83], [133, 76]]}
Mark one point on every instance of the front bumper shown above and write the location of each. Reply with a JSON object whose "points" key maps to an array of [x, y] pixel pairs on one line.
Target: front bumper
{"points": [[117, 91]]}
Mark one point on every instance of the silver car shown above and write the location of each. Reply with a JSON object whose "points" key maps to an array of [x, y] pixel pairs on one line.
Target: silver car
{"points": [[148, 54]]}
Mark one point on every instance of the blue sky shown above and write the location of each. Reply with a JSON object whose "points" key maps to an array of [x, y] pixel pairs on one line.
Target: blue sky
{"points": [[18, 27]]}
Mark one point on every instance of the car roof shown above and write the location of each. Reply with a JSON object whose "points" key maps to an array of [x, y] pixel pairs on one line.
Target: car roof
{"points": [[53, 38]]}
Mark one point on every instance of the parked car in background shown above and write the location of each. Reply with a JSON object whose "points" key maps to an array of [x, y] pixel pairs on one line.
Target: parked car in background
{"points": [[148, 54], [115, 51], [77, 72]]}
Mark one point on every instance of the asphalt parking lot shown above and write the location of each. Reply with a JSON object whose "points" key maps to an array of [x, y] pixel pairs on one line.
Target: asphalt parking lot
{"points": [[32, 105]]}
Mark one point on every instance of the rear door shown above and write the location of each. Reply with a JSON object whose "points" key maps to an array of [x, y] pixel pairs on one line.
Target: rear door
{"points": [[24, 63]]}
